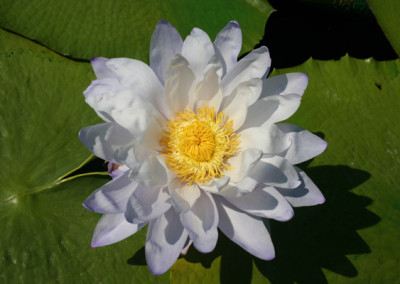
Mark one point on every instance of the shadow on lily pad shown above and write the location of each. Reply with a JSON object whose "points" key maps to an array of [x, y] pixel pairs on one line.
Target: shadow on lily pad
{"points": [[317, 237]]}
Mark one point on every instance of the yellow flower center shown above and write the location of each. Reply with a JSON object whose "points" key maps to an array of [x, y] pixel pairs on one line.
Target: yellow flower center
{"points": [[197, 144]]}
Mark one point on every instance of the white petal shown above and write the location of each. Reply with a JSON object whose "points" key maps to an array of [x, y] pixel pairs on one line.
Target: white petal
{"points": [[165, 240], [229, 43], [111, 197], [116, 170], [304, 144], [235, 105], [183, 196], [201, 223], [179, 83], [198, 50], [269, 139], [215, 185], [165, 44], [253, 65], [307, 194], [110, 142], [100, 69], [264, 202], [271, 109], [247, 231], [147, 203], [113, 228], [152, 172], [242, 163], [290, 83], [275, 171], [208, 91], [245, 186], [141, 79]]}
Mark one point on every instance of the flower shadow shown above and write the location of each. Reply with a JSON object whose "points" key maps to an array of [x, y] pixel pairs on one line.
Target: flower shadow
{"points": [[316, 238]]}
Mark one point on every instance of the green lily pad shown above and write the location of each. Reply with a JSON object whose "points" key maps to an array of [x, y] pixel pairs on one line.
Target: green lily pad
{"points": [[354, 236], [85, 29], [46, 232], [387, 15]]}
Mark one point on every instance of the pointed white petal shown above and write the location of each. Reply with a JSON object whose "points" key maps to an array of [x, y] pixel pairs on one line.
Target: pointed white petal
{"points": [[165, 44], [243, 187], [165, 240], [253, 65], [100, 69], [111, 197], [242, 163], [151, 172], [229, 43], [113, 228], [198, 50], [247, 231], [208, 91], [275, 171], [215, 185], [265, 203], [201, 223], [290, 83], [307, 194], [304, 144], [147, 203], [183, 196]]}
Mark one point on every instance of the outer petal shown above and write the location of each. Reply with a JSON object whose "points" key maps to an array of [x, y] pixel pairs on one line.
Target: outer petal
{"points": [[100, 69], [229, 43], [275, 171], [208, 91], [201, 223], [290, 83], [253, 65], [247, 231], [111, 197], [179, 83], [113, 228], [304, 145], [264, 202], [242, 163], [307, 194], [147, 203], [166, 238], [198, 50], [110, 142], [165, 44], [183, 196]]}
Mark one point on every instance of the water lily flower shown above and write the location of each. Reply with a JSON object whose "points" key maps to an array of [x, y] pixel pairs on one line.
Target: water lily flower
{"points": [[195, 144]]}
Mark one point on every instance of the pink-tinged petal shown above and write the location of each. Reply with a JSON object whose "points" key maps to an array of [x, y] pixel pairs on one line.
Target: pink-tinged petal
{"points": [[291, 83], [147, 203], [275, 171], [264, 202], [254, 65], [307, 194], [100, 69], [111, 197], [269, 139], [141, 80], [242, 163], [247, 231], [208, 91], [165, 44], [229, 43], [198, 50], [166, 238], [179, 85], [183, 196], [201, 223], [110, 142], [113, 228], [304, 144]]}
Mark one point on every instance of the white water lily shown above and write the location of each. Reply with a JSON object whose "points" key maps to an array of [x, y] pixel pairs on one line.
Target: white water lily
{"points": [[198, 144]]}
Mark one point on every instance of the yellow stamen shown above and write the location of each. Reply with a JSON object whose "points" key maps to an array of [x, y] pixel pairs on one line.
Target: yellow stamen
{"points": [[198, 144]]}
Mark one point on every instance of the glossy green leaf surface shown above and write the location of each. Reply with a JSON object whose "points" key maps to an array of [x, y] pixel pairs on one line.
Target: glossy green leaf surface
{"points": [[353, 237], [46, 235], [387, 14], [85, 29]]}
